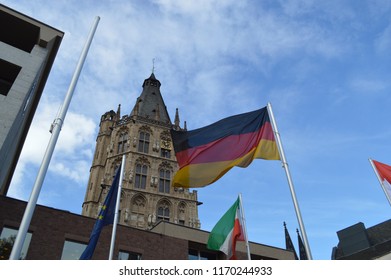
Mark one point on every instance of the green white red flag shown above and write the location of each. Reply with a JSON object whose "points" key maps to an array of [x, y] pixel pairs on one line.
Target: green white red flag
{"points": [[227, 231]]}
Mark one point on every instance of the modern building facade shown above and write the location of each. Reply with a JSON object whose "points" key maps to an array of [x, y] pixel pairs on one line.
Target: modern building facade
{"points": [[144, 138], [27, 52]]}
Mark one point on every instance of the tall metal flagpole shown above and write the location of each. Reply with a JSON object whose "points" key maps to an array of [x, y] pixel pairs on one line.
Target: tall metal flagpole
{"points": [[290, 182], [244, 226], [55, 130], [380, 181], [115, 222]]}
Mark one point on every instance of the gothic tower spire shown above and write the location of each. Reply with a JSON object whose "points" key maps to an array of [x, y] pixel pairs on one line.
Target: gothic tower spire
{"points": [[119, 112], [176, 121], [150, 104]]}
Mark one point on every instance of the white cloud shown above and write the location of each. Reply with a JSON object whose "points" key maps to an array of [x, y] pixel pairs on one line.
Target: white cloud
{"points": [[74, 170], [73, 150], [369, 86], [77, 132], [383, 41]]}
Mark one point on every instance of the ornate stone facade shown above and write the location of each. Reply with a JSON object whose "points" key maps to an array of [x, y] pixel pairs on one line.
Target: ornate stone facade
{"points": [[144, 137]]}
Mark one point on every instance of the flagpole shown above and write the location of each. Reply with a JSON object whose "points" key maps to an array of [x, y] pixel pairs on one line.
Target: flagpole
{"points": [[380, 181], [55, 130], [290, 182], [244, 226], [115, 222]]}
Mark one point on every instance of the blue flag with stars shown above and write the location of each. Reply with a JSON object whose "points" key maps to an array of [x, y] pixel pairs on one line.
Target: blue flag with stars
{"points": [[105, 217]]}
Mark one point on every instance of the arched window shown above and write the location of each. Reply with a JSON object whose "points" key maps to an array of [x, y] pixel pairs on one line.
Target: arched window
{"points": [[164, 181], [138, 211], [163, 211], [181, 213], [141, 176], [123, 138], [143, 142]]}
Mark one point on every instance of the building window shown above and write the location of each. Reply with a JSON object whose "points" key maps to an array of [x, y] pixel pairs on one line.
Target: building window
{"points": [[123, 255], [123, 138], [8, 74], [141, 176], [72, 250], [7, 239], [181, 213], [165, 153], [164, 181], [143, 142], [163, 212], [138, 211], [199, 255]]}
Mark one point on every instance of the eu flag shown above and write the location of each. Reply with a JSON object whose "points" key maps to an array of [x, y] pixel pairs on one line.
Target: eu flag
{"points": [[106, 217]]}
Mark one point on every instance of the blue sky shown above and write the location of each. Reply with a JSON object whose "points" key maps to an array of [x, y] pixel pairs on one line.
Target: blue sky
{"points": [[325, 67]]}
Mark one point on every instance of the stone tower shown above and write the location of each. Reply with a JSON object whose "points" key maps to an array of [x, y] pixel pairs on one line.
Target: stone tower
{"points": [[144, 137]]}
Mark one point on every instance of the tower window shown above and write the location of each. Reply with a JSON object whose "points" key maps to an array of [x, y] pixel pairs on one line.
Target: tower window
{"points": [[141, 176], [163, 213], [165, 153], [123, 138], [138, 211], [181, 213], [164, 181], [143, 143]]}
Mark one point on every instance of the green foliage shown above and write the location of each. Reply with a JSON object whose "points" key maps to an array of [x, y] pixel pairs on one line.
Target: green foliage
{"points": [[6, 247]]}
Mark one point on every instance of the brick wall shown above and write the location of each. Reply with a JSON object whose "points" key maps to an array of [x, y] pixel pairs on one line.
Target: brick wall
{"points": [[51, 227]]}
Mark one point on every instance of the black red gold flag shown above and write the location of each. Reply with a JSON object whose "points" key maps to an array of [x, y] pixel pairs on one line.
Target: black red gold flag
{"points": [[204, 155]]}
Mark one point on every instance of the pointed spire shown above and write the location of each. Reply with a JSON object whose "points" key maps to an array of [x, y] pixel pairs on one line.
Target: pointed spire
{"points": [[288, 242], [302, 251], [146, 106], [176, 121], [119, 112], [185, 126]]}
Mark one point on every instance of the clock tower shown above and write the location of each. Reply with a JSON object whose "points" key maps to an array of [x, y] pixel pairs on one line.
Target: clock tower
{"points": [[144, 137]]}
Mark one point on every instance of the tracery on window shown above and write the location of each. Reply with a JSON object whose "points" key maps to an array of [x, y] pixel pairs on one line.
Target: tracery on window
{"points": [[163, 211], [164, 180], [122, 141]]}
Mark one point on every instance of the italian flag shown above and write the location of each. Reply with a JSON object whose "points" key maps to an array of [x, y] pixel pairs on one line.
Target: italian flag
{"points": [[227, 231]]}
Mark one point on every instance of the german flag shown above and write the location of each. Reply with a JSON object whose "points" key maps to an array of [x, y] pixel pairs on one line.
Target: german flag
{"points": [[204, 155]]}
